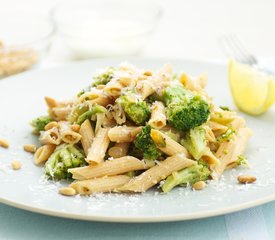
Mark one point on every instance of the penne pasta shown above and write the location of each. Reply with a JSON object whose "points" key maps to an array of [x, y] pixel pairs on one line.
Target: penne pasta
{"points": [[119, 150], [109, 168], [100, 118], [70, 137], [60, 113], [145, 88], [167, 144], [123, 133], [99, 185], [96, 97], [43, 153], [118, 114], [157, 173], [87, 135], [67, 134], [51, 136], [113, 88], [99, 147], [228, 152], [158, 117], [51, 102], [210, 158]]}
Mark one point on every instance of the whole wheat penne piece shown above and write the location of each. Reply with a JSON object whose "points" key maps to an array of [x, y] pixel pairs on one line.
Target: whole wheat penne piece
{"points": [[228, 152], [60, 113], [71, 137], [99, 185], [123, 133], [157, 173], [99, 147], [51, 136], [113, 88], [43, 153], [210, 158], [51, 102], [108, 168], [87, 133], [119, 150], [158, 117], [145, 88], [167, 144]]}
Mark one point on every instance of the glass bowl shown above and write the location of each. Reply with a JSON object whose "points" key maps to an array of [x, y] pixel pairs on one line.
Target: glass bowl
{"points": [[100, 28], [24, 41]]}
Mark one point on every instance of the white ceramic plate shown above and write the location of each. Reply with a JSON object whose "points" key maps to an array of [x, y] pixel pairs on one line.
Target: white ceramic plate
{"points": [[21, 99]]}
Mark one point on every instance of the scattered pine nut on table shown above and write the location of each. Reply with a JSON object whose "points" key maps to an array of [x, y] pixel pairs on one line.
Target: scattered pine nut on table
{"points": [[16, 165], [4, 143], [67, 191], [31, 148]]}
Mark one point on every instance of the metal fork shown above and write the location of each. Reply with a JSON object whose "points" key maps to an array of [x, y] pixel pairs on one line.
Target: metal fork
{"points": [[233, 47]]}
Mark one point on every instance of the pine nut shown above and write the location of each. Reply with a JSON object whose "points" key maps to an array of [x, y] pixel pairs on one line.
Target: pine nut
{"points": [[4, 143], [246, 179], [30, 148], [67, 191], [199, 185], [75, 127], [16, 165]]}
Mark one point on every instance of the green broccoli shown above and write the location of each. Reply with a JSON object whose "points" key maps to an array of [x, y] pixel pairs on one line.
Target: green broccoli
{"points": [[195, 142], [135, 109], [185, 110], [225, 108], [99, 79], [145, 144], [82, 112], [39, 123], [104, 78], [64, 157], [242, 161], [190, 175]]}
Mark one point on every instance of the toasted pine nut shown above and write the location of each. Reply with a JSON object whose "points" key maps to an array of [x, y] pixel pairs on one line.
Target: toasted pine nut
{"points": [[4, 143], [148, 73], [30, 148], [51, 125], [246, 179], [16, 165], [67, 191], [199, 185], [75, 127]]}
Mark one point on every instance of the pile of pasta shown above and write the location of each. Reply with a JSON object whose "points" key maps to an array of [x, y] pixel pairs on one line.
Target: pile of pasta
{"points": [[105, 137]]}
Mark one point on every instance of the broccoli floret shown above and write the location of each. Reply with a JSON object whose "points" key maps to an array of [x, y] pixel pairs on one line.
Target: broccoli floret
{"points": [[145, 144], [185, 110], [136, 110], [39, 123], [99, 79], [242, 161], [104, 78], [225, 108], [63, 158], [190, 175], [195, 142], [82, 112]]}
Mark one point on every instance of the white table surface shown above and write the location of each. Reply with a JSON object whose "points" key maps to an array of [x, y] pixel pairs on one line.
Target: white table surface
{"points": [[188, 29]]}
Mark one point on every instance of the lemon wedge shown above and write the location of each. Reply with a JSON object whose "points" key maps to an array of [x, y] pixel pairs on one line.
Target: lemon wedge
{"points": [[253, 90]]}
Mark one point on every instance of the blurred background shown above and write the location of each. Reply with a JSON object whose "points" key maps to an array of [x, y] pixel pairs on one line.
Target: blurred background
{"points": [[168, 28]]}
